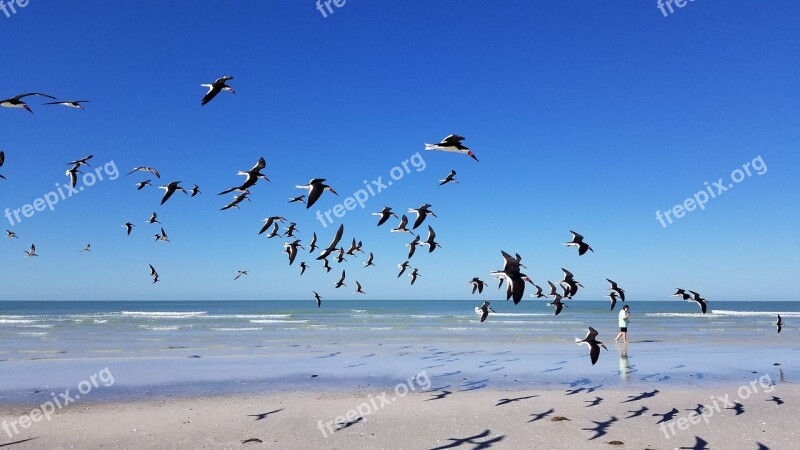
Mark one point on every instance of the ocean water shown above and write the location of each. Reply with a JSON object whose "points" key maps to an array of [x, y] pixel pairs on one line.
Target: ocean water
{"points": [[158, 349]]}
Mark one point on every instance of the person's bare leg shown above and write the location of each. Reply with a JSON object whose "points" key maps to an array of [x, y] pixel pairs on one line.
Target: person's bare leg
{"points": [[624, 337], [616, 339]]}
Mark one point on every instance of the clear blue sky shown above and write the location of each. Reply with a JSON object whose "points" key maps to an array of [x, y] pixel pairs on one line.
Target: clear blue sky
{"points": [[585, 115]]}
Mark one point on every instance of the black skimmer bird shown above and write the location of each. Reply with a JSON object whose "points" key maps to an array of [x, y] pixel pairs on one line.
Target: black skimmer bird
{"points": [[569, 283], [162, 236], [86, 249], [70, 103], [355, 247], [319, 299], [483, 310], [153, 218], [431, 240], [291, 250], [269, 221], [170, 189], [515, 280], [402, 268], [215, 88], [326, 265], [682, 293], [779, 323], [422, 212], [252, 177], [538, 293], [450, 178], [412, 246], [140, 185], [594, 345], [340, 256], [315, 189], [333, 245], [298, 199], [2, 160], [577, 241], [614, 287], [73, 175], [452, 143], [385, 213], [477, 285], [274, 232], [16, 102], [369, 261], [11, 234], [81, 162], [129, 226], [699, 300], [340, 283], [358, 289], [239, 273], [153, 274], [31, 252], [558, 304], [290, 230], [613, 297], [313, 247], [414, 275], [195, 190], [144, 169], [236, 200], [402, 227], [303, 267]]}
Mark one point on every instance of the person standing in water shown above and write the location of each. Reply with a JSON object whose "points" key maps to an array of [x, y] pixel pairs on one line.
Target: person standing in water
{"points": [[624, 317]]}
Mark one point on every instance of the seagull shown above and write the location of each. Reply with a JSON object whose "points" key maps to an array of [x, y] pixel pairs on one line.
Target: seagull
{"points": [[538, 293], [236, 200], [195, 190], [613, 297], [414, 274], [340, 283], [402, 268], [682, 293], [11, 234], [239, 273], [412, 246], [779, 323], [452, 143], [215, 88], [142, 184], [620, 292], [315, 189], [422, 212], [385, 213], [81, 162], [252, 177], [153, 218], [273, 232], [2, 160], [269, 221], [153, 274], [450, 178], [31, 252], [290, 230], [369, 261], [73, 175], [326, 265], [319, 299], [170, 189], [484, 310], [332, 246], [700, 301], [16, 102], [593, 343], [402, 227], [300, 199], [313, 246], [70, 103], [430, 241], [358, 289], [129, 226], [303, 267], [477, 285], [86, 249], [577, 241], [291, 250], [144, 169]]}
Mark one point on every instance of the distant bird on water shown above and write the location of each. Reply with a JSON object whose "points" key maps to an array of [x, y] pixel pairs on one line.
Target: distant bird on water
{"points": [[452, 143], [215, 88]]}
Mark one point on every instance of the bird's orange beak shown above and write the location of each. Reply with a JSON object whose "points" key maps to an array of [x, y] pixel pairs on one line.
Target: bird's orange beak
{"points": [[472, 155]]}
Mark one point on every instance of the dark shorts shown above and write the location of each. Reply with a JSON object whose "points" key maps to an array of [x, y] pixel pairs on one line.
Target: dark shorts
{"points": [[623, 329]]}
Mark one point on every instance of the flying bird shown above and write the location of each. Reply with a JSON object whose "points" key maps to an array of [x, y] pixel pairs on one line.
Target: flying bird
{"points": [[452, 143], [70, 103], [269, 221], [239, 273], [369, 261], [170, 189], [153, 218], [594, 345], [422, 212], [358, 289], [431, 240], [16, 102], [340, 283], [81, 162], [315, 189], [402, 268], [402, 227], [615, 288], [450, 178], [477, 285], [303, 267], [251, 177], [385, 213], [291, 250], [11, 234], [86, 249], [298, 199], [577, 241], [144, 169], [355, 247], [538, 293], [236, 200], [613, 297], [412, 246], [682, 293], [779, 323], [333, 245], [153, 274], [162, 236], [215, 88], [129, 226], [195, 190], [2, 160], [699, 300], [515, 280], [273, 232], [73, 175], [140, 185], [483, 310], [414, 275], [31, 252], [326, 265], [319, 299], [290, 230]]}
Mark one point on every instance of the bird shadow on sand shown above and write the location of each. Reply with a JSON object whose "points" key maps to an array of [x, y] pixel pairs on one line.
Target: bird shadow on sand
{"points": [[263, 416], [699, 444], [637, 412], [448, 374], [601, 428], [329, 355], [551, 370], [473, 440], [578, 382], [443, 393], [642, 396], [594, 402], [474, 385], [505, 401], [777, 400], [354, 365], [761, 446], [541, 415], [349, 424], [667, 416], [9, 444], [738, 407]]}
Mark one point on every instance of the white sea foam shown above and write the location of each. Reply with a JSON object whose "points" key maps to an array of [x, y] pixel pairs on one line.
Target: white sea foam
{"points": [[11, 321], [148, 327], [238, 329], [277, 321], [164, 314]]}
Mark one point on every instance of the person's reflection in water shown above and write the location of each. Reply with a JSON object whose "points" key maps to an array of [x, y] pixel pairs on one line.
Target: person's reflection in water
{"points": [[624, 365]]}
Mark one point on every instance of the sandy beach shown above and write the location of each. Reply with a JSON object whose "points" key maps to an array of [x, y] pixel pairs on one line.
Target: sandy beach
{"points": [[438, 418]]}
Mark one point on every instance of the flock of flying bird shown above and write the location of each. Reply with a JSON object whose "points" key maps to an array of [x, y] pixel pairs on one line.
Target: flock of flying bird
{"points": [[510, 274]]}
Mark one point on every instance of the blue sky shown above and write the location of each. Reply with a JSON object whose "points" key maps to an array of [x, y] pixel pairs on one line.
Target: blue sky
{"points": [[585, 115]]}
